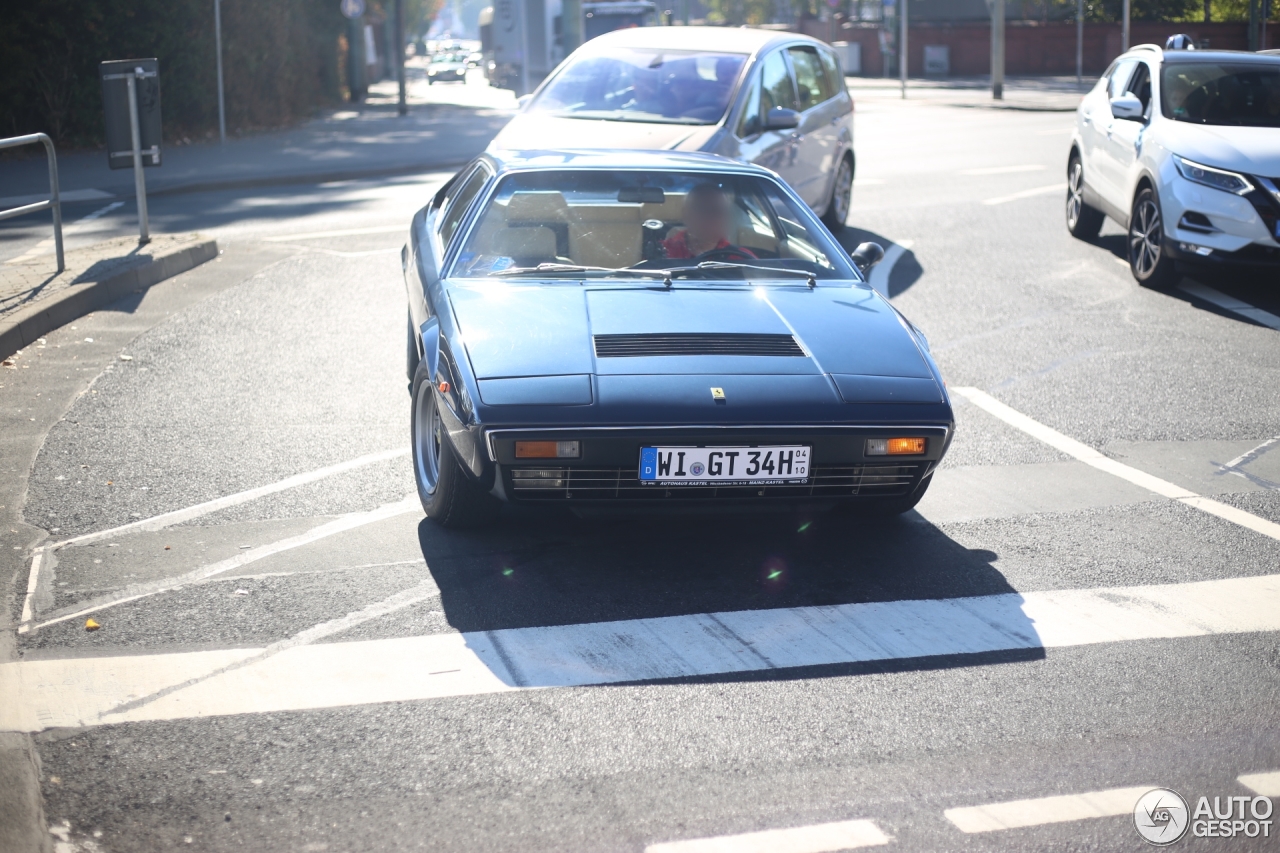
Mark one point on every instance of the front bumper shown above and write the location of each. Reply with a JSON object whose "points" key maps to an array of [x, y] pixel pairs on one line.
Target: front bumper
{"points": [[1206, 225], [608, 470]]}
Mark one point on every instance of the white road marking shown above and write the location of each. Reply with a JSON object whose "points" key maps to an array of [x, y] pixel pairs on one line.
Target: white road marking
{"points": [[881, 272], [341, 524], [1052, 188], [1249, 455], [178, 516], [1262, 784], [345, 232], [79, 691], [1096, 459], [1018, 813], [1004, 170], [64, 197], [818, 838], [1230, 303]]}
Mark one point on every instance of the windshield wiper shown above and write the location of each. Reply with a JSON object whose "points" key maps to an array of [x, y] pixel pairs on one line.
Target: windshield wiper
{"points": [[734, 265], [553, 267]]}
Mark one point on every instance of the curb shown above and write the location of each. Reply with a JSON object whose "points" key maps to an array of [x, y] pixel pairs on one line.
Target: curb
{"points": [[27, 325]]}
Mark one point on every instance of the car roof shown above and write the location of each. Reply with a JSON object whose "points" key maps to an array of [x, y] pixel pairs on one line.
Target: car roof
{"points": [[569, 158], [727, 39], [1187, 57]]}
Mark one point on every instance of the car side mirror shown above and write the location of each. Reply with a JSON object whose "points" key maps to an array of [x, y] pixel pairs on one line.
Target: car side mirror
{"points": [[781, 118], [867, 256], [1127, 106], [523, 101]]}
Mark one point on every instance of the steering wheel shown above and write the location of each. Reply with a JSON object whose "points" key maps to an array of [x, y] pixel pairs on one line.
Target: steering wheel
{"points": [[726, 253]]}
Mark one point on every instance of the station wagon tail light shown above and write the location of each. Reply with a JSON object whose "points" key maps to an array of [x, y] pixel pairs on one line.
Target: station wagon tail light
{"points": [[895, 446], [547, 450]]}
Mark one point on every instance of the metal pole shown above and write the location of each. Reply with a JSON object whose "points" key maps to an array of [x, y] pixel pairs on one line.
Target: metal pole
{"points": [[54, 198], [217, 40], [403, 107], [139, 183], [1253, 25], [1079, 43], [997, 50], [902, 48], [1124, 34]]}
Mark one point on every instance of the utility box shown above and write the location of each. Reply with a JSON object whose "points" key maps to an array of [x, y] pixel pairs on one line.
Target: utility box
{"points": [[850, 54], [937, 60], [115, 105]]}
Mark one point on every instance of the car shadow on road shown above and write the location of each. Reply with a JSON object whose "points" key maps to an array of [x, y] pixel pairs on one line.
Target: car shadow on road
{"points": [[562, 571], [905, 270]]}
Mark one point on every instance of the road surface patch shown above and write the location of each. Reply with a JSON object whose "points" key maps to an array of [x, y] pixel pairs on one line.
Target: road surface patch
{"points": [[818, 838]]}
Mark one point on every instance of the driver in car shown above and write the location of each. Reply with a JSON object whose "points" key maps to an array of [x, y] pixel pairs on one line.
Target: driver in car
{"points": [[706, 217]]}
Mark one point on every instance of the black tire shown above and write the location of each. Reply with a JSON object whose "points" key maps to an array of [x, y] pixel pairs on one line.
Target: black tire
{"points": [[411, 357], [841, 195], [1148, 261], [1084, 222], [449, 497]]}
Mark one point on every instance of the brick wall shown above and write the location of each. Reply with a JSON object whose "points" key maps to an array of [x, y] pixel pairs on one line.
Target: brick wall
{"points": [[1029, 48]]}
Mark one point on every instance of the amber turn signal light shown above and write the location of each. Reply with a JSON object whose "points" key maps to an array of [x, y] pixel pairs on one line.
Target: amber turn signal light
{"points": [[547, 450], [895, 446]]}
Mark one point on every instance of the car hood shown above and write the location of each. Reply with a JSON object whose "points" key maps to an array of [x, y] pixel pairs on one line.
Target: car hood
{"points": [[529, 131], [1254, 150], [521, 331]]}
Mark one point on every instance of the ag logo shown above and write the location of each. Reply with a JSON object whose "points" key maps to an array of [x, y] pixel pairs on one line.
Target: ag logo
{"points": [[1161, 816]]}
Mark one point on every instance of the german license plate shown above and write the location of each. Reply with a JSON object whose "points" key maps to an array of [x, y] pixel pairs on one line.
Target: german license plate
{"points": [[723, 466]]}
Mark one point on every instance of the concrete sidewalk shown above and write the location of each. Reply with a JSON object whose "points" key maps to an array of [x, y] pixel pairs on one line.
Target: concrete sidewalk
{"points": [[1037, 94], [35, 298], [365, 140]]}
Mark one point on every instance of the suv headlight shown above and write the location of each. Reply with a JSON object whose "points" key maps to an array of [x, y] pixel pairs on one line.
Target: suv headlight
{"points": [[1219, 179]]}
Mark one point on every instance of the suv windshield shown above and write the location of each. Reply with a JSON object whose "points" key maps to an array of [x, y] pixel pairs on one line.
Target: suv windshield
{"points": [[602, 224], [642, 84], [1221, 93]]}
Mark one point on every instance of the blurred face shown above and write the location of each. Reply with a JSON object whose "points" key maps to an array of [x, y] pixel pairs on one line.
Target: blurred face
{"points": [[706, 215]]}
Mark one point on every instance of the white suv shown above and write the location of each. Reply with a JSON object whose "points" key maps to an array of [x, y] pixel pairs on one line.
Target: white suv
{"points": [[1181, 147]]}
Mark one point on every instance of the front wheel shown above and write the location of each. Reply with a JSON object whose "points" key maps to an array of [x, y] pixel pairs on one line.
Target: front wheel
{"points": [[1084, 222], [841, 196], [1148, 261], [448, 497]]}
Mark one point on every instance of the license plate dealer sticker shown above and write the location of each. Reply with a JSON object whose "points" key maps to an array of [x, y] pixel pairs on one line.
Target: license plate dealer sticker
{"points": [[723, 466]]}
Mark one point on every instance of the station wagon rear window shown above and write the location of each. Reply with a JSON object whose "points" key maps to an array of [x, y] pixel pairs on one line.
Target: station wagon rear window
{"points": [[589, 224]]}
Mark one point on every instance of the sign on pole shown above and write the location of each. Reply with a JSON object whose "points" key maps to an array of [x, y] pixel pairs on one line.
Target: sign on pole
{"points": [[352, 8], [131, 105]]}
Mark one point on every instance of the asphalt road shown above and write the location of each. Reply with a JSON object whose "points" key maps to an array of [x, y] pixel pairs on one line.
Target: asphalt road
{"points": [[333, 673]]}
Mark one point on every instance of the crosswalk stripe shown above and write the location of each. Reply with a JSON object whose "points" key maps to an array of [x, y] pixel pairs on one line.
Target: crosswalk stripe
{"points": [[1262, 784], [818, 838], [1096, 459], [1060, 809], [91, 691]]}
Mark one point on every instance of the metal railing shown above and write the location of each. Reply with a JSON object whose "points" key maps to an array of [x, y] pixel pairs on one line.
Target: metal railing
{"points": [[54, 202]]}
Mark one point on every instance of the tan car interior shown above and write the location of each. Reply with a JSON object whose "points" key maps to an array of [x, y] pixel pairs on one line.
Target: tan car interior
{"points": [[542, 227]]}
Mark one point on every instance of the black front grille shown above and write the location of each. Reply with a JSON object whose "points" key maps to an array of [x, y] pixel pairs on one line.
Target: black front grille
{"points": [[698, 343], [591, 484]]}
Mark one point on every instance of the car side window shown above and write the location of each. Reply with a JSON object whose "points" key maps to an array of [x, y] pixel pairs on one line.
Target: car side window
{"points": [[456, 206], [751, 122], [1119, 82], [811, 79], [835, 78], [777, 88], [1140, 85]]}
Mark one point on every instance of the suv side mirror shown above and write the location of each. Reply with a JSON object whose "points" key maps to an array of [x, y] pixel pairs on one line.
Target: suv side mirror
{"points": [[781, 118], [1127, 106], [867, 256]]}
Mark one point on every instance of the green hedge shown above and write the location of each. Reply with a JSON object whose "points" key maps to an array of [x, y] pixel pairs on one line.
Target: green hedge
{"points": [[280, 59]]}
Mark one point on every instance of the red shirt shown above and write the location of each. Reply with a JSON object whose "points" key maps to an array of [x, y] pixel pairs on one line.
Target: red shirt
{"points": [[677, 246]]}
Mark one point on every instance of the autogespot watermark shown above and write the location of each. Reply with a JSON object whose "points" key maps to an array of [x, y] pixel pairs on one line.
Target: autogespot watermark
{"points": [[1162, 817]]}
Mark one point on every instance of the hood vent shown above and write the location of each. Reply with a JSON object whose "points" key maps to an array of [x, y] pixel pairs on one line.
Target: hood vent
{"points": [[697, 343]]}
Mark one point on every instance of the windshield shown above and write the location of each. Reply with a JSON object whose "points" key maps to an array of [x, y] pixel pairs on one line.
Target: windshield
{"points": [[589, 224], [643, 84], [1212, 93]]}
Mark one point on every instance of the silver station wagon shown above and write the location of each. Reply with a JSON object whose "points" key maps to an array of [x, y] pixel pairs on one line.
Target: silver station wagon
{"points": [[774, 99]]}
